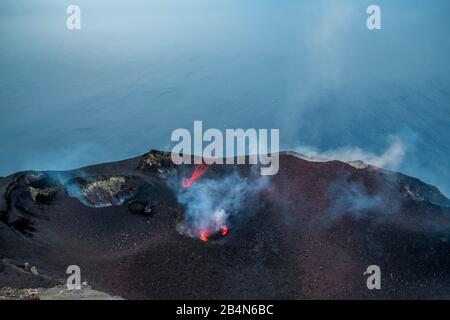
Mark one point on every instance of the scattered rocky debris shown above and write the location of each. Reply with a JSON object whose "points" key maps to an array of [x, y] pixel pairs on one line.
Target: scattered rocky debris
{"points": [[55, 293], [85, 293], [8, 293], [156, 160], [102, 191]]}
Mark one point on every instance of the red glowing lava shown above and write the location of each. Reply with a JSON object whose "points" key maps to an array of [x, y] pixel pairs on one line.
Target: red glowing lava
{"points": [[200, 169], [224, 231], [204, 235]]}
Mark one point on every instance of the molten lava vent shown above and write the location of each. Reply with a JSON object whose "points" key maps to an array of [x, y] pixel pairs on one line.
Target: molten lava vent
{"points": [[211, 224]]}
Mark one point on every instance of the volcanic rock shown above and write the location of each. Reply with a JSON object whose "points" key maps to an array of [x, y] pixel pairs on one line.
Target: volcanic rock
{"points": [[41, 195], [311, 231], [59, 292]]}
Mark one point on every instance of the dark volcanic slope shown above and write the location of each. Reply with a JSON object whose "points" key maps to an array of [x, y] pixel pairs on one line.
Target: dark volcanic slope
{"points": [[309, 232]]}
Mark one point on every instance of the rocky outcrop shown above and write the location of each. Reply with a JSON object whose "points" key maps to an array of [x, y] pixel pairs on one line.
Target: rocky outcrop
{"points": [[55, 293]]}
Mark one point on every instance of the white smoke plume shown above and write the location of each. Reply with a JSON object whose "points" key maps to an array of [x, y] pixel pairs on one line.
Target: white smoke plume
{"points": [[352, 198], [389, 159], [209, 203], [348, 197]]}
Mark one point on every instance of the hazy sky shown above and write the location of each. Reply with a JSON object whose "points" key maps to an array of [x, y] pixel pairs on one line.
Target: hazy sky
{"points": [[139, 69]]}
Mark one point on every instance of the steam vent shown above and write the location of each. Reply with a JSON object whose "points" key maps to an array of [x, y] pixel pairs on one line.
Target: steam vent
{"points": [[145, 228]]}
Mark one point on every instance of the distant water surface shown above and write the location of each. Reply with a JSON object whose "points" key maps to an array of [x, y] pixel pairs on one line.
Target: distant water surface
{"points": [[139, 69]]}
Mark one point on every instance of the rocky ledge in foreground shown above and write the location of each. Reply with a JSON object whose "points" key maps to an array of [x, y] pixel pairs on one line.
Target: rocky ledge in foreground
{"points": [[55, 293], [146, 229]]}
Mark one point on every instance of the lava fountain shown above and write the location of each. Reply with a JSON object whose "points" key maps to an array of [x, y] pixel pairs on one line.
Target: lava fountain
{"points": [[200, 169], [215, 225]]}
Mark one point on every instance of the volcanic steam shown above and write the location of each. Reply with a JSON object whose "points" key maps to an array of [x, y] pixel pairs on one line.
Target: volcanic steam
{"points": [[211, 202]]}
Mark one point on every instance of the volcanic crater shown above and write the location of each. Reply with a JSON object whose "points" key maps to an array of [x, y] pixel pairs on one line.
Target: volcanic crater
{"points": [[144, 228]]}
